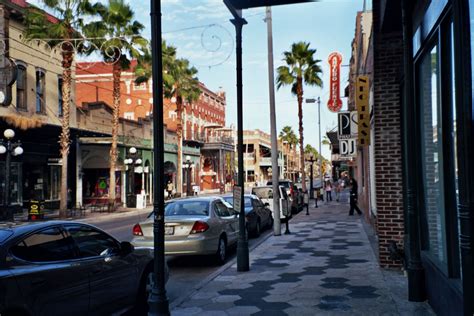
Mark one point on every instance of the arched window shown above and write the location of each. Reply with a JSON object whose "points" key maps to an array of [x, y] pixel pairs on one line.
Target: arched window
{"points": [[21, 88], [40, 91]]}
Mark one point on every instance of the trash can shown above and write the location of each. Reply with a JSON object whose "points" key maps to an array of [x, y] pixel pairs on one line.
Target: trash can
{"points": [[36, 210], [131, 200]]}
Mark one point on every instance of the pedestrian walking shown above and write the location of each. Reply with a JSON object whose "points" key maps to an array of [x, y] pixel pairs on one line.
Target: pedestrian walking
{"points": [[353, 198], [169, 189], [328, 188], [337, 187]]}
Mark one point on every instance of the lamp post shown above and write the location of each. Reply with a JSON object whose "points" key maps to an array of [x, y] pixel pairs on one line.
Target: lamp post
{"points": [[9, 148], [132, 160], [320, 158], [311, 187], [188, 164], [157, 299]]}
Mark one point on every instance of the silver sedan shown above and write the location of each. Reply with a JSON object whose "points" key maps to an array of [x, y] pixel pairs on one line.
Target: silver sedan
{"points": [[194, 226]]}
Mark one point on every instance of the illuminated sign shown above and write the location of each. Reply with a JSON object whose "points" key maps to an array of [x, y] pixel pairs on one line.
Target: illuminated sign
{"points": [[335, 102]]}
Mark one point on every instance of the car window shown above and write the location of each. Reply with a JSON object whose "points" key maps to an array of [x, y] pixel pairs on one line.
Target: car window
{"points": [[187, 208], [230, 200], [284, 194], [44, 246], [263, 193], [91, 242], [220, 209]]}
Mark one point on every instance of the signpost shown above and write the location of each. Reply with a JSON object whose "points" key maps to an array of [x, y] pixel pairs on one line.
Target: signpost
{"points": [[237, 201]]}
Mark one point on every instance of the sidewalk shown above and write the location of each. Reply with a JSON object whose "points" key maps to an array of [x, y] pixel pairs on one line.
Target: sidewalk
{"points": [[88, 215], [325, 267]]}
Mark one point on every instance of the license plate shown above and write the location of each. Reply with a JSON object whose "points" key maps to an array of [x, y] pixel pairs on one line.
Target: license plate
{"points": [[169, 230]]}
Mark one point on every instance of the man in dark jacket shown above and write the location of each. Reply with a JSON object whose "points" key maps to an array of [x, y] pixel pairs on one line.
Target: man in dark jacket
{"points": [[353, 199]]}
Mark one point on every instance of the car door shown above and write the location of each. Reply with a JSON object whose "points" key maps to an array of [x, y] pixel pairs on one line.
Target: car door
{"points": [[113, 278], [262, 211], [228, 220], [51, 278]]}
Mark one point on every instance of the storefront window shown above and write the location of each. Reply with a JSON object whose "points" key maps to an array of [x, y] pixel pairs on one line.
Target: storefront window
{"points": [[15, 183], [55, 182], [432, 143]]}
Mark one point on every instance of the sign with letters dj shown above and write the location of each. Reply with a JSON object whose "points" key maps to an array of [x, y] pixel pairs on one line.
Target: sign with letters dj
{"points": [[362, 104], [335, 102]]}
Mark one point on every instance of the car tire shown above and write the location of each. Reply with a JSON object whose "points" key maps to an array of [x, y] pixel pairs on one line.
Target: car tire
{"points": [[221, 254], [258, 228], [146, 283]]}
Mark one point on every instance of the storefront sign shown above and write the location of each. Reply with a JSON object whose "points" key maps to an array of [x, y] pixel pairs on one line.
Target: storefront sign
{"points": [[348, 147], [335, 102], [347, 125], [362, 104]]}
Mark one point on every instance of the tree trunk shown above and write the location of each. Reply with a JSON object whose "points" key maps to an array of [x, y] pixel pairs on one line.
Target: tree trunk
{"points": [[64, 139], [299, 91], [179, 133], [115, 130]]}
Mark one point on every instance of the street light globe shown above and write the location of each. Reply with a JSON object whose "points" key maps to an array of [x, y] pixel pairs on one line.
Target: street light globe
{"points": [[18, 151], [9, 133], [173, 99], [128, 161], [188, 158], [138, 162], [132, 150], [3, 149]]}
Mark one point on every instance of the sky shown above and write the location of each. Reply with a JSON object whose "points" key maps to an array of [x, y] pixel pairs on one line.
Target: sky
{"points": [[202, 33]]}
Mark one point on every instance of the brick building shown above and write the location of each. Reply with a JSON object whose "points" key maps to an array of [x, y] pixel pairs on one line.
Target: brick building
{"points": [[94, 84]]}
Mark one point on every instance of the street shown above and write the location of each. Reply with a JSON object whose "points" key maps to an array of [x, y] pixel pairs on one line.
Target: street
{"points": [[185, 272]]}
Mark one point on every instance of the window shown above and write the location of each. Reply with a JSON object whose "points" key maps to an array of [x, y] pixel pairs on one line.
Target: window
{"points": [[21, 88], [194, 208], [129, 115], [44, 246], [16, 188], [433, 155], [54, 185], [221, 210], [60, 96], [92, 242], [40, 91]]}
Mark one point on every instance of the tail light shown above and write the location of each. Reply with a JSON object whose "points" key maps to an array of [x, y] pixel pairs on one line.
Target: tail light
{"points": [[199, 227], [137, 230]]}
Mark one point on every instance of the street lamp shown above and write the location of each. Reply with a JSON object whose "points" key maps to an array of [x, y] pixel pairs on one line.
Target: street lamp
{"points": [[311, 187], [9, 148], [132, 160], [318, 100], [189, 165]]}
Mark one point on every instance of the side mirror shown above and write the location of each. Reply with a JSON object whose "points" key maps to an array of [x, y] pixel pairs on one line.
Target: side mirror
{"points": [[126, 248]]}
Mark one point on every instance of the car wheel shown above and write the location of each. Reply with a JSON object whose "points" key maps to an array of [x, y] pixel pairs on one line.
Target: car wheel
{"points": [[146, 285], [258, 228], [221, 254]]}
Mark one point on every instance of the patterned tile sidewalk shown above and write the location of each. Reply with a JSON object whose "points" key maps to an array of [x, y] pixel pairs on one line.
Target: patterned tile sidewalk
{"points": [[325, 267]]}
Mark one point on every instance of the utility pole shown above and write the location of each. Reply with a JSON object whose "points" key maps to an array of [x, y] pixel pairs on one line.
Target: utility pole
{"points": [[273, 129], [320, 154]]}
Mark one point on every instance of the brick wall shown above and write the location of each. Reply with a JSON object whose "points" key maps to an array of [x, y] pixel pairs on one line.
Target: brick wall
{"points": [[388, 65]]}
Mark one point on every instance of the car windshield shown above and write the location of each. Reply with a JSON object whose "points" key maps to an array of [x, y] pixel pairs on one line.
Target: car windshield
{"points": [[4, 234], [230, 200], [187, 208], [263, 193]]}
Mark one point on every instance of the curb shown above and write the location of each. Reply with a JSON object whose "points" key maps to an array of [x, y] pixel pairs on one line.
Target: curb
{"points": [[213, 275]]}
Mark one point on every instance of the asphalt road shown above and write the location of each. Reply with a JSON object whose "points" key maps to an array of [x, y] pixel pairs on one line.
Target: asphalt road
{"points": [[185, 272]]}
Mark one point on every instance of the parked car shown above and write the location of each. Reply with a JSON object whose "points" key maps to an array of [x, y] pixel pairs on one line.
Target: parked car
{"points": [[287, 184], [58, 267], [194, 226], [265, 193], [257, 214]]}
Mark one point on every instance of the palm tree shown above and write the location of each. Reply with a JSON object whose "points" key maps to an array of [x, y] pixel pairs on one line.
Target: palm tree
{"points": [[123, 43], [287, 134], [69, 15], [301, 68], [184, 87]]}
